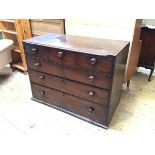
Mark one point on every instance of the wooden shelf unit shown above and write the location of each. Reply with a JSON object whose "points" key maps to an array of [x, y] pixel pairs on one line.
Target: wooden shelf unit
{"points": [[16, 30], [43, 26], [8, 31]]}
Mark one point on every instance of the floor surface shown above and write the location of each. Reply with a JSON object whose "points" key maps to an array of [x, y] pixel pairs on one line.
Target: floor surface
{"points": [[20, 116]]}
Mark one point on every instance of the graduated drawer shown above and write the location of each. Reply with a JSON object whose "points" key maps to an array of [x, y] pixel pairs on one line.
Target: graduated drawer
{"points": [[86, 77], [76, 105], [89, 93], [81, 60], [90, 62], [104, 64], [61, 56], [36, 51]]}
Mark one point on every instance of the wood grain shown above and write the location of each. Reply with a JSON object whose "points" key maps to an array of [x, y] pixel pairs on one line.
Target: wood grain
{"points": [[70, 103], [96, 46], [100, 96], [100, 80], [71, 72], [134, 52], [42, 26]]}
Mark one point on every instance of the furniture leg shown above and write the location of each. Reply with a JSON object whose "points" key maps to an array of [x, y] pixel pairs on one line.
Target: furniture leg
{"points": [[128, 83], [152, 69], [11, 66]]}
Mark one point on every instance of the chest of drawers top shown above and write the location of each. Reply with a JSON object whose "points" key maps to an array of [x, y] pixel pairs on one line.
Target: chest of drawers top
{"points": [[95, 46]]}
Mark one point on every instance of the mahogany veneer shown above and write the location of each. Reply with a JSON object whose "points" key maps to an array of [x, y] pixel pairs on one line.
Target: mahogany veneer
{"points": [[81, 76]]}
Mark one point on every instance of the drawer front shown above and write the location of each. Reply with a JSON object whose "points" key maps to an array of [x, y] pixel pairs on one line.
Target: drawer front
{"points": [[79, 106], [62, 57], [90, 78], [89, 93], [34, 51], [96, 63], [78, 60]]}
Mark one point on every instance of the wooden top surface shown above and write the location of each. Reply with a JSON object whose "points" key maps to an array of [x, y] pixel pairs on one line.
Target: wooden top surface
{"points": [[89, 45]]}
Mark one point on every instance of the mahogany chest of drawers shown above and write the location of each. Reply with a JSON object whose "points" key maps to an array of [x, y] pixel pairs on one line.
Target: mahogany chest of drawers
{"points": [[81, 76]]}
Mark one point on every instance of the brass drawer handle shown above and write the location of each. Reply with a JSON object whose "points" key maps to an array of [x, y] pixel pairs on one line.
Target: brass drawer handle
{"points": [[92, 77], [42, 92], [34, 50], [93, 61], [37, 64], [91, 109], [91, 93], [42, 77], [60, 54]]}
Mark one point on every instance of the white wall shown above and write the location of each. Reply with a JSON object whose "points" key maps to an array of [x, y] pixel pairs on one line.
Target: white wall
{"points": [[101, 28], [149, 22]]}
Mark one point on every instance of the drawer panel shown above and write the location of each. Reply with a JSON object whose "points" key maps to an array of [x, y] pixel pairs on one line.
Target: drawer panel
{"points": [[79, 106], [90, 78], [36, 51], [96, 63], [89, 93], [78, 60], [62, 56]]}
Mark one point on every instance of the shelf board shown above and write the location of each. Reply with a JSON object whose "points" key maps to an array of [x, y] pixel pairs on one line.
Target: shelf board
{"points": [[7, 20], [19, 66], [16, 49], [9, 31]]}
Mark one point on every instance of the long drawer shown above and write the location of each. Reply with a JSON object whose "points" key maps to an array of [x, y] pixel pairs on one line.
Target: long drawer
{"points": [[89, 93], [76, 105], [86, 77]]}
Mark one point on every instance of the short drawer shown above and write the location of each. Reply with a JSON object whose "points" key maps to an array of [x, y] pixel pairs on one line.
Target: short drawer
{"points": [[89, 93], [62, 56], [96, 63], [76, 105], [36, 51], [89, 77]]}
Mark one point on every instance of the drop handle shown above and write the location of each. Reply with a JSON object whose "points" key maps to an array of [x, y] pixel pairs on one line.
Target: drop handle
{"points": [[91, 93], [60, 54], [37, 64], [92, 61], [92, 77], [34, 50], [90, 109], [42, 92], [42, 77]]}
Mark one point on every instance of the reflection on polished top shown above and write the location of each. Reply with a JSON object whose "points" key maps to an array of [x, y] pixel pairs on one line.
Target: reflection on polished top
{"points": [[89, 45]]}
